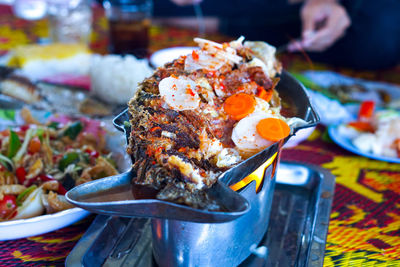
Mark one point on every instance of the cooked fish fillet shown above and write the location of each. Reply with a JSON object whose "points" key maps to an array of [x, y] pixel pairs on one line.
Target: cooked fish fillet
{"points": [[181, 138]]}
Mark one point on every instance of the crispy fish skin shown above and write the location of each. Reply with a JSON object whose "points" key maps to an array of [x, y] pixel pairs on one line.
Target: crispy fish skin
{"points": [[151, 150]]}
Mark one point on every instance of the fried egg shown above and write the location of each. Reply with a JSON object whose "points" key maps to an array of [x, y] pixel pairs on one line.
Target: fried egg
{"points": [[245, 135]]}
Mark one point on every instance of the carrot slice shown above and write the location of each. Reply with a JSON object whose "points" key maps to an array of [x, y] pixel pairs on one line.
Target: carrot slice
{"points": [[362, 126], [263, 94], [273, 129], [239, 105]]}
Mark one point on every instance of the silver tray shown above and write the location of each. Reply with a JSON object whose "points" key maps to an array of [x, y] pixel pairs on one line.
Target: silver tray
{"points": [[296, 235]]}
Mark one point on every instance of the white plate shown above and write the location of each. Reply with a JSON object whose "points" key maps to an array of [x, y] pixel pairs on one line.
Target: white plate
{"points": [[346, 143], [40, 224], [163, 56]]}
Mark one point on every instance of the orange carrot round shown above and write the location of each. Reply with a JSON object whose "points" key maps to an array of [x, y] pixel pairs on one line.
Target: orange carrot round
{"points": [[239, 105], [273, 129]]}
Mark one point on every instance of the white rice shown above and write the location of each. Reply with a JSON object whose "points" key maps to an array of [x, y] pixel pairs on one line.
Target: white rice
{"points": [[115, 79]]}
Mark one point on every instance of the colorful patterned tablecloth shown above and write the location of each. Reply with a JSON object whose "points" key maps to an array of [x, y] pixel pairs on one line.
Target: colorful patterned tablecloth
{"points": [[364, 229]]}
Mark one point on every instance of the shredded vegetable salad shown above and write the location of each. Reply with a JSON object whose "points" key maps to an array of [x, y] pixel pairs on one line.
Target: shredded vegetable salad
{"points": [[40, 162]]}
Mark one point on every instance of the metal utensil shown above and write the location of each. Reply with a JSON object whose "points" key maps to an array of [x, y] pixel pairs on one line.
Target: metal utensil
{"points": [[113, 196]]}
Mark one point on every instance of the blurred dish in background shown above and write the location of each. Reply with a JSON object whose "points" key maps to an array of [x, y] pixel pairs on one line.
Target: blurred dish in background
{"points": [[350, 90], [357, 92], [55, 98], [345, 142], [40, 162], [51, 77], [45, 223], [374, 134]]}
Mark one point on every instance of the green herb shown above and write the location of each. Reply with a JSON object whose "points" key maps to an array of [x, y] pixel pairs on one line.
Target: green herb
{"points": [[127, 124], [14, 144], [68, 159], [73, 130], [53, 125], [8, 114], [40, 133], [25, 193]]}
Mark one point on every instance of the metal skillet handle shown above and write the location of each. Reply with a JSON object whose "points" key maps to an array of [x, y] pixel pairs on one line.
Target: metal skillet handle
{"points": [[112, 196]]}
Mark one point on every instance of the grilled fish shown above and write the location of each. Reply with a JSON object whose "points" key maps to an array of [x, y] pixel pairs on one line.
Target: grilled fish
{"points": [[181, 136]]}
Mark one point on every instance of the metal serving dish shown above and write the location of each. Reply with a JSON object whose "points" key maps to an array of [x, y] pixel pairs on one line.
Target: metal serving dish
{"points": [[182, 243], [296, 233]]}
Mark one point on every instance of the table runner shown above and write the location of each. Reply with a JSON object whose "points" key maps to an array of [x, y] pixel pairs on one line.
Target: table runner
{"points": [[364, 228]]}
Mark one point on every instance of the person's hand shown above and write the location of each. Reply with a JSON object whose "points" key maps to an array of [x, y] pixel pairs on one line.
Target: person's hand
{"points": [[324, 22], [186, 2]]}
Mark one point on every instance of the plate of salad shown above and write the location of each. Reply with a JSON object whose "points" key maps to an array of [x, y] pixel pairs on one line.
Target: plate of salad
{"points": [[375, 134], [40, 162]]}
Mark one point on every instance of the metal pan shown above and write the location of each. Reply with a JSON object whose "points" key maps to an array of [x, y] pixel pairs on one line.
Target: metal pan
{"points": [[183, 243], [179, 243]]}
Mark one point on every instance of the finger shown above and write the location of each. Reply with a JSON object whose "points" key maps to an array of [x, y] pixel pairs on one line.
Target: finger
{"points": [[307, 20], [318, 46], [295, 46], [338, 23], [320, 41], [325, 37]]}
